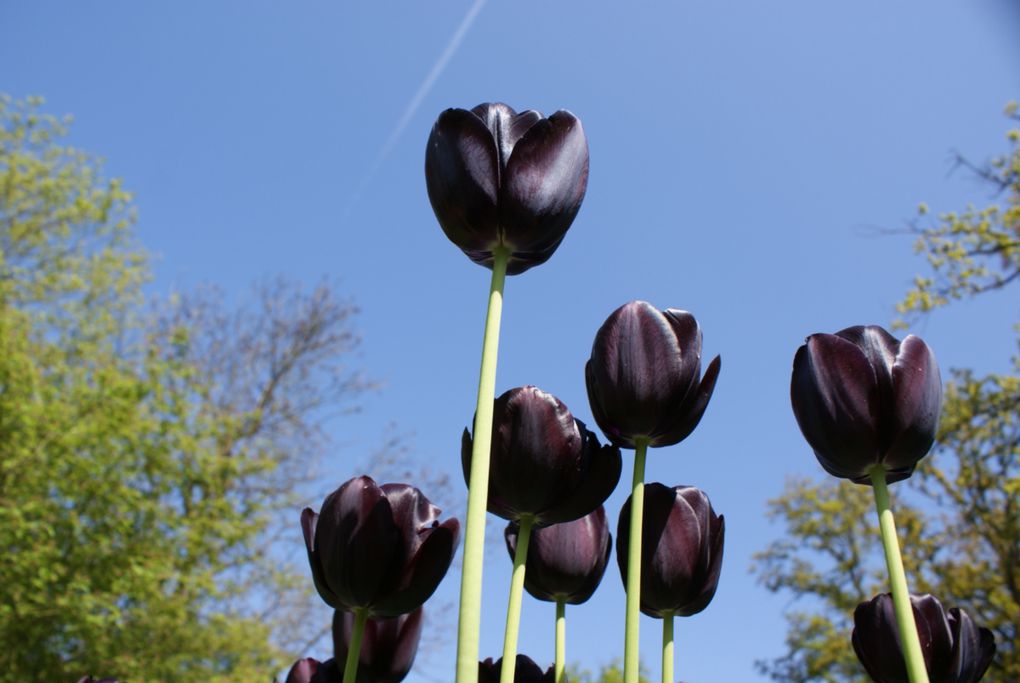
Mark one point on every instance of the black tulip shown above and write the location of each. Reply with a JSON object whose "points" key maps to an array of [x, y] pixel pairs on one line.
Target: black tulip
{"points": [[681, 550], [497, 178], [955, 649], [544, 464], [862, 398], [566, 561], [525, 671], [388, 646], [303, 671], [380, 548], [644, 377]]}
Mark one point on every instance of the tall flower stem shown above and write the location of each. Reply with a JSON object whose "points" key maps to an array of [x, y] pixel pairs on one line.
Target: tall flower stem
{"points": [[561, 641], [631, 642], [513, 608], [354, 648], [916, 671], [667, 648], [469, 624]]}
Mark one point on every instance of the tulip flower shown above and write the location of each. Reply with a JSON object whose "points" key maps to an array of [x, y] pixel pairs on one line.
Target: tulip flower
{"points": [[868, 405], [388, 646], [644, 376], [377, 551], [525, 671], [546, 466], [565, 564], [955, 649], [500, 181], [646, 389], [863, 400], [681, 556]]}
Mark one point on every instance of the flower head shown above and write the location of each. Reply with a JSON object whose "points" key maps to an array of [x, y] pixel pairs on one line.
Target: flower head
{"points": [[955, 649], [388, 646], [644, 377], [681, 550], [565, 561], [863, 398], [381, 548], [499, 179], [545, 464]]}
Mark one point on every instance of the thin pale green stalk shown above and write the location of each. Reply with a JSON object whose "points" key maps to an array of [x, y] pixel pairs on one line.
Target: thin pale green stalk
{"points": [[667, 648], [513, 608], [561, 642], [631, 642], [354, 648], [909, 640], [469, 624]]}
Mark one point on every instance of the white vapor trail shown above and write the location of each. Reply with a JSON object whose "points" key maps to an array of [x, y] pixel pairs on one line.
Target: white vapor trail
{"points": [[419, 95]]}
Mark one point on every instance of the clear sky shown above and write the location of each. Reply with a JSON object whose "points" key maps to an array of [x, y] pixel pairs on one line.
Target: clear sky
{"points": [[743, 156]]}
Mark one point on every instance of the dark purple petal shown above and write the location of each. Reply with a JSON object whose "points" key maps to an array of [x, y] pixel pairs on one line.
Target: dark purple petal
{"points": [[917, 400], [308, 522], [302, 671], [597, 478], [425, 571], [834, 392], [683, 420], [973, 647], [359, 545], [541, 192], [506, 127], [525, 671]]}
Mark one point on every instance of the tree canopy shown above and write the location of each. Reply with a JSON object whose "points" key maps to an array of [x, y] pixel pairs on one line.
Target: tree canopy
{"points": [[149, 453], [959, 515]]}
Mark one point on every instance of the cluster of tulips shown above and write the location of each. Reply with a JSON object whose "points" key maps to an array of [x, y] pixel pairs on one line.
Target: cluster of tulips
{"points": [[505, 188]]}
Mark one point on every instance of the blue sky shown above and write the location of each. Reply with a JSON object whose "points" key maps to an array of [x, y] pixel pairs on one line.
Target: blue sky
{"points": [[743, 157]]}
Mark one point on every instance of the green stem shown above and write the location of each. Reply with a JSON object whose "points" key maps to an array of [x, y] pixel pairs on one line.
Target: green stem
{"points": [[561, 641], [513, 608], [354, 647], [916, 671], [667, 648], [469, 624], [631, 643]]}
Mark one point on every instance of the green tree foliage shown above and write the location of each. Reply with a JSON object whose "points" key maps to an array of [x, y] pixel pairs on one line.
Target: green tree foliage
{"points": [[610, 673], [959, 515], [146, 454]]}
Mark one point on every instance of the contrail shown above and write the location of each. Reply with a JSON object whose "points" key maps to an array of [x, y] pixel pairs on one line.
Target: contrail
{"points": [[412, 106]]}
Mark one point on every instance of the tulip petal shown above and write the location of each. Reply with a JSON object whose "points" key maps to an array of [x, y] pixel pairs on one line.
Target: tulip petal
{"points": [[917, 400], [462, 178], [540, 193], [388, 646], [308, 523], [302, 671], [506, 127], [424, 571], [688, 414], [837, 417], [359, 545], [600, 473], [973, 647]]}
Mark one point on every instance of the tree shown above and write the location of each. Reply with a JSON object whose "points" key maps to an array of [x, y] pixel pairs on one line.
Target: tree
{"points": [[959, 515], [148, 454]]}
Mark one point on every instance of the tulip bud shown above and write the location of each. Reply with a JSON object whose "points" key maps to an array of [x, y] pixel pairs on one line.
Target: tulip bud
{"points": [[681, 550], [544, 463], [862, 398], [644, 377], [525, 671], [388, 646], [379, 548], [306, 670], [499, 179], [955, 649], [566, 561]]}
